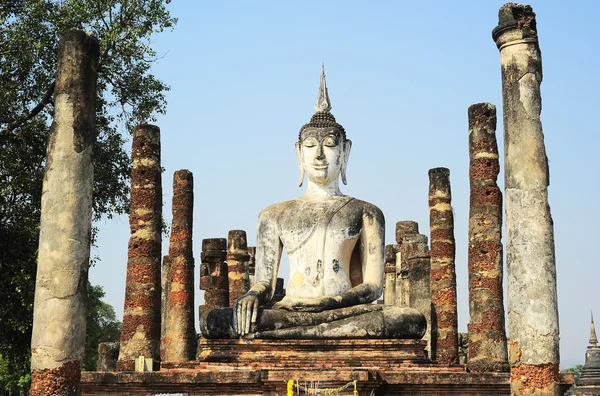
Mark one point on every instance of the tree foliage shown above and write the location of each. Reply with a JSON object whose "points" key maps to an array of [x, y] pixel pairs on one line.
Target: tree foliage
{"points": [[127, 94], [577, 370], [102, 326]]}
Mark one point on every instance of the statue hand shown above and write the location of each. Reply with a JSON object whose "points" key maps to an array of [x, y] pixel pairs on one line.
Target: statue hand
{"points": [[245, 310]]}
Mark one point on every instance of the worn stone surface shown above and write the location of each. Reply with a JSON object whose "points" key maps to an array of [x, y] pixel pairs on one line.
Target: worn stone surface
{"points": [[140, 332], [487, 347], [415, 257], [530, 258], [59, 314], [444, 336], [237, 265], [108, 353], [180, 332], [335, 246], [402, 284]]}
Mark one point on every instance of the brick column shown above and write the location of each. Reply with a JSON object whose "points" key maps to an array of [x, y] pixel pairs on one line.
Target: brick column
{"points": [[59, 313], [140, 332], [389, 288], [443, 276], [237, 262], [532, 303], [164, 296], [213, 274], [415, 253], [180, 332], [251, 268], [487, 336]]}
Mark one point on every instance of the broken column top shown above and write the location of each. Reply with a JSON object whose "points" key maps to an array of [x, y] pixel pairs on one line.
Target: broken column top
{"points": [[482, 113], [406, 227], [518, 18], [214, 244], [236, 241], [439, 180]]}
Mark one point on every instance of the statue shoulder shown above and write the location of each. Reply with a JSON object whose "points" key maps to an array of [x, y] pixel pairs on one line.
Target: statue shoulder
{"points": [[274, 212], [369, 210]]}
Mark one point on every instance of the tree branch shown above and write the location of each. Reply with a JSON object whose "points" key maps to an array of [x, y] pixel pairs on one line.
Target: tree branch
{"points": [[34, 112]]}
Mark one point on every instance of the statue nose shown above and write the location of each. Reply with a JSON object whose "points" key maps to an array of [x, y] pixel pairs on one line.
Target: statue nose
{"points": [[319, 154]]}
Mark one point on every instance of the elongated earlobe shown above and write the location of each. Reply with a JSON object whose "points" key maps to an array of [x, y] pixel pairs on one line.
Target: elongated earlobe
{"points": [[347, 147], [299, 159]]}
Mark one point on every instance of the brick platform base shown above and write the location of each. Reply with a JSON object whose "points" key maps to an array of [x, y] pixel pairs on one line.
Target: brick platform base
{"points": [[261, 367]]}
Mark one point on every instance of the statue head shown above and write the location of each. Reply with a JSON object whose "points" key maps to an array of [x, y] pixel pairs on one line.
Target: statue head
{"points": [[322, 148]]}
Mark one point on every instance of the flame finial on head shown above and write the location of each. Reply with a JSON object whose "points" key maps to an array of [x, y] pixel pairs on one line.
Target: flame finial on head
{"points": [[323, 104]]}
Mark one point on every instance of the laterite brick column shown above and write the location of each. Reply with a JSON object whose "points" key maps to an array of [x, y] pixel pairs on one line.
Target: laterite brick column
{"points": [[213, 274], [180, 332], [443, 276], [415, 253], [140, 332], [251, 268], [164, 295], [59, 313], [389, 287], [487, 336], [237, 262], [532, 303]]}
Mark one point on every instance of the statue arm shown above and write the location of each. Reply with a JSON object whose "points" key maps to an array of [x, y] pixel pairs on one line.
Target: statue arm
{"points": [[372, 251], [268, 257]]}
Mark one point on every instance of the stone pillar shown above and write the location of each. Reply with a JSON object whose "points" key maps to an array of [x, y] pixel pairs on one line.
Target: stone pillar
{"points": [[213, 274], [415, 254], [140, 332], [389, 287], [237, 262], [251, 268], [59, 314], [487, 336], [402, 284], [443, 276], [108, 353], [530, 260], [180, 332], [164, 290]]}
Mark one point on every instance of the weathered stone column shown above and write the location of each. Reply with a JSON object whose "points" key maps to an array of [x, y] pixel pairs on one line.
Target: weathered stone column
{"points": [[59, 315], [140, 332], [415, 254], [237, 262], [213, 274], [180, 331], [530, 260], [389, 286], [487, 336], [402, 283], [443, 276]]}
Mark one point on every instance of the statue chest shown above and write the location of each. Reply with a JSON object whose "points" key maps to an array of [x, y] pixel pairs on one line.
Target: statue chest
{"points": [[319, 240]]}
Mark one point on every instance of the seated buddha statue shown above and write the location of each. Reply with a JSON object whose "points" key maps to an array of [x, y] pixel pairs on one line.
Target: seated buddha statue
{"points": [[335, 246]]}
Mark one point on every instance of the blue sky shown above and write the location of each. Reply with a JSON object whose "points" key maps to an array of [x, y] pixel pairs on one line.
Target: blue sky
{"points": [[244, 77]]}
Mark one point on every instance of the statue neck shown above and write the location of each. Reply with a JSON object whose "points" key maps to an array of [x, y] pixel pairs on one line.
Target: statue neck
{"points": [[330, 189]]}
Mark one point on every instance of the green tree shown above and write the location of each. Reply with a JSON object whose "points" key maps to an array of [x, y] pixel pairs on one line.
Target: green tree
{"points": [[102, 326], [577, 370], [127, 94]]}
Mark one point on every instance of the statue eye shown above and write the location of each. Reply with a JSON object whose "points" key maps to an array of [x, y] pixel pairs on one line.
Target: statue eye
{"points": [[330, 141], [309, 142]]}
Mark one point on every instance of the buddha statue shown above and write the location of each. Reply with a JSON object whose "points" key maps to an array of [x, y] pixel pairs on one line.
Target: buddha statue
{"points": [[335, 246]]}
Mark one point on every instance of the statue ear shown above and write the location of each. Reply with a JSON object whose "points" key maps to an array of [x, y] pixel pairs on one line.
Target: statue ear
{"points": [[347, 147], [300, 165]]}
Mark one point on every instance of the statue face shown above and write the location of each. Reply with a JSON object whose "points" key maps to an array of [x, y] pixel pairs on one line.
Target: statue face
{"points": [[322, 154]]}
